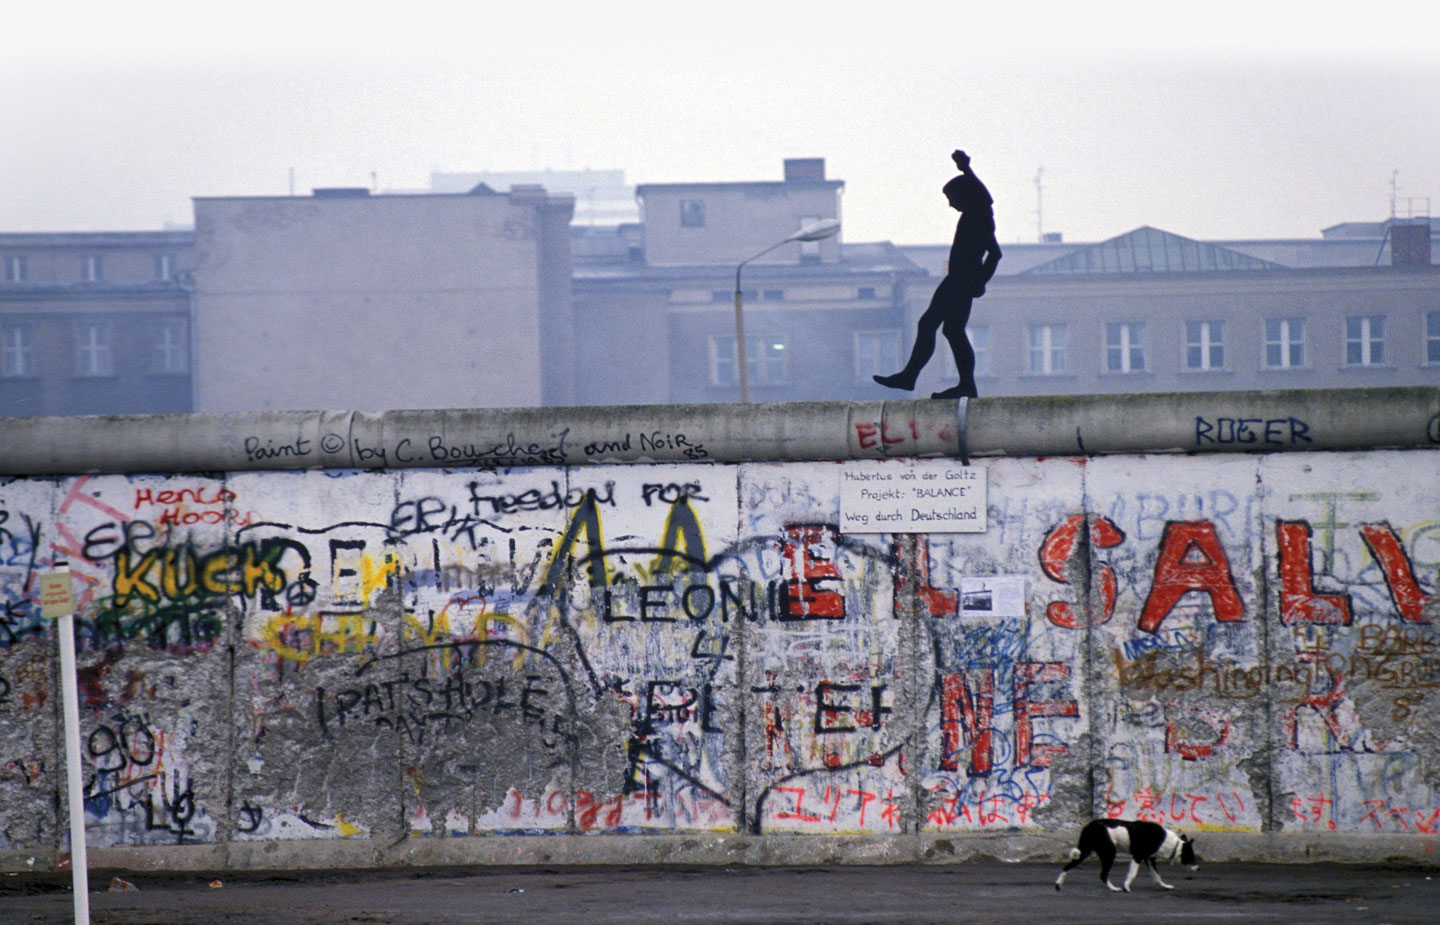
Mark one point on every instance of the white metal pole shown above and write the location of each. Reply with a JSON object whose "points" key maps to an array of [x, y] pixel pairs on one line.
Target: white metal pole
{"points": [[56, 596]]}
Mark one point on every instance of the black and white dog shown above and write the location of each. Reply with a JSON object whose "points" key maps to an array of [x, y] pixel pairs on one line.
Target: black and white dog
{"points": [[1145, 842]]}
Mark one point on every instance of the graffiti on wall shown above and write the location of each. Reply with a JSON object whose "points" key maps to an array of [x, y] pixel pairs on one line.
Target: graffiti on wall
{"points": [[698, 647]]}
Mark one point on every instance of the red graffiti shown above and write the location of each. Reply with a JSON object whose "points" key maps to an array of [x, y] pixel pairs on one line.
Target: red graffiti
{"points": [[775, 730], [1194, 751], [967, 715], [1060, 545], [1426, 820], [1027, 673], [1314, 810], [989, 810], [1191, 559], [939, 603], [797, 812], [1149, 804], [872, 435], [833, 799], [812, 574], [1299, 602], [1326, 704], [1405, 591]]}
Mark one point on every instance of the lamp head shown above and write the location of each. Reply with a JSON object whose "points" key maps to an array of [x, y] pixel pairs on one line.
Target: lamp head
{"points": [[816, 231]]}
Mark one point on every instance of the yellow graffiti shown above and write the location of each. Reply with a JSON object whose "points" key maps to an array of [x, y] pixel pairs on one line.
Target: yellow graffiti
{"points": [[436, 634], [514, 631], [301, 638], [225, 572], [375, 578]]}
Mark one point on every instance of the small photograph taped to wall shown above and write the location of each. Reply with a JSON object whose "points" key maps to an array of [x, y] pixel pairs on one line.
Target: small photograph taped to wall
{"points": [[980, 601], [993, 596]]}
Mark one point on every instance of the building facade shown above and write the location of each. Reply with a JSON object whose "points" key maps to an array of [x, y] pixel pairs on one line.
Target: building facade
{"points": [[343, 300], [1146, 311], [1150, 311], [96, 323], [654, 303]]}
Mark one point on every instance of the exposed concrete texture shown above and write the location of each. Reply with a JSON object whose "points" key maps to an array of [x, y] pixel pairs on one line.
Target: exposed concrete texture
{"points": [[1198, 422], [690, 662]]}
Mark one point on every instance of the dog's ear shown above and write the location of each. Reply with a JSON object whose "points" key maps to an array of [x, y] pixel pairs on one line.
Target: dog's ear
{"points": [[1186, 839]]}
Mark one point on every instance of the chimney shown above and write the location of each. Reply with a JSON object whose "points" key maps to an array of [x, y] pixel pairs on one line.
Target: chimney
{"points": [[1410, 243], [804, 169]]}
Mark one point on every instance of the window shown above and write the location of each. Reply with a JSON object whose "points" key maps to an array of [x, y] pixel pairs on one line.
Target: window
{"points": [[17, 351], [1365, 340], [172, 350], [92, 268], [774, 295], [1125, 347], [692, 213], [165, 266], [1205, 345], [865, 292], [93, 356], [764, 356], [876, 353], [728, 295], [16, 269], [1284, 343], [1432, 338], [1047, 350], [980, 341]]}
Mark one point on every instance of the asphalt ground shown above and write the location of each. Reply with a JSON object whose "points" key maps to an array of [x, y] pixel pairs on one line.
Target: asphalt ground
{"points": [[974, 891]]}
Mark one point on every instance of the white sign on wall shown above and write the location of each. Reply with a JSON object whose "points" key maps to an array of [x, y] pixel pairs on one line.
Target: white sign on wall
{"points": [[911, 496]]}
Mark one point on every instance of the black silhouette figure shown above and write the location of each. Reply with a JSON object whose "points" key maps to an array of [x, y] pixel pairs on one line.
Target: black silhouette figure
{"points": [[974, 255]]}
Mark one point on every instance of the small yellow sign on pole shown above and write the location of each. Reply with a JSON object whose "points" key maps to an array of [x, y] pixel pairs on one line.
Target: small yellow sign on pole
{"points": [[56, 597]]}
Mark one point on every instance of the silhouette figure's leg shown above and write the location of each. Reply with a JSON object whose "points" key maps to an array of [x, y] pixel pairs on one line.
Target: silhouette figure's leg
{"points": [[964, 353], [930, 322]]}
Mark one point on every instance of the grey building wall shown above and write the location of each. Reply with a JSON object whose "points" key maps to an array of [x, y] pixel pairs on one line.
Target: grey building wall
{"points": [[95, 323], [379, 302], [694, 224], [1408, 300]]}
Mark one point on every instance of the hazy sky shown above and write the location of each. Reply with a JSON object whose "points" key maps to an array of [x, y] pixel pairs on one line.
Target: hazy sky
{"points": [[1213, 119]]}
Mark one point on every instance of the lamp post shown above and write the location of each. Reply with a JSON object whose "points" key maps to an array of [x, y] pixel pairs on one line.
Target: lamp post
{"points": [[815, 231]]}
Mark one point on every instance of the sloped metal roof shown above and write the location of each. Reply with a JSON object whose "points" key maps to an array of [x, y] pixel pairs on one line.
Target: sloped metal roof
{"points": [[1150, 250]]}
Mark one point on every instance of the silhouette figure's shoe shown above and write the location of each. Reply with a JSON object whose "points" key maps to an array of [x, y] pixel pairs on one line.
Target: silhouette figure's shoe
{"points": [[955, 391], [897, 381]]}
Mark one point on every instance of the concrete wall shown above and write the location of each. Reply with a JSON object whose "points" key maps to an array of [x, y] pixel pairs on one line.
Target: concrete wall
{"points": [[689, 662]]}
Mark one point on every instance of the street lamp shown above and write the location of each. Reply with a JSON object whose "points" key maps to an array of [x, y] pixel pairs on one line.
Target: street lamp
{"points": [[815, 231]]}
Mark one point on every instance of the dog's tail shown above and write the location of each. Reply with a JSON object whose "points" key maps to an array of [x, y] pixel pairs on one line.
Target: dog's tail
{"points": [[1074, 854]]}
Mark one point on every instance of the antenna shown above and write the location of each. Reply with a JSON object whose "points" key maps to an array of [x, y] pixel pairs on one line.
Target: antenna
{"points": [[1394, 190], [1039, 205]]}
